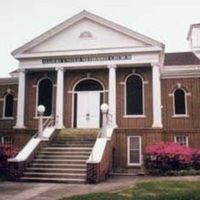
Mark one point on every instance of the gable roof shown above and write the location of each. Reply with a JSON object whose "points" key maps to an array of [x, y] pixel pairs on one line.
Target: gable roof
{"points": [[197, 25], [84, 14], [181, 58]]}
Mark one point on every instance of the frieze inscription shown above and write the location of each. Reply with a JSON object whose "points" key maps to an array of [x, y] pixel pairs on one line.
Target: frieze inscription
{"points": [[85, 59]]}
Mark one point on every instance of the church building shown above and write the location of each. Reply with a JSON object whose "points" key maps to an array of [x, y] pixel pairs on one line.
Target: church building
{"points": [[75, 68]]}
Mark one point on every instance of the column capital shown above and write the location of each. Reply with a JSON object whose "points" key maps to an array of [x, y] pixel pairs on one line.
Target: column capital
{"points": [[112, 66], [60, 69], [155, 65], [21, 70]]}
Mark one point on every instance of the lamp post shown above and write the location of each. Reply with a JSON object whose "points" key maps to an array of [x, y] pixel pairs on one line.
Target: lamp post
{"points": [[104, 110], [40, 110]]}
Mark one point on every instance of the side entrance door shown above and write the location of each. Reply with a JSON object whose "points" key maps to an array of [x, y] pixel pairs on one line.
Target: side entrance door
{"points": [[88, 109]]}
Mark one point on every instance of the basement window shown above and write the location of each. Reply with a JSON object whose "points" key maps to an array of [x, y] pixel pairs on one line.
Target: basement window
{"points": [[6, 140], [181, 140], [134, 151]]}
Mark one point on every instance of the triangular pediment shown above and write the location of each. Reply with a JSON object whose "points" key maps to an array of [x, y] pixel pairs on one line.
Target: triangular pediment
{"points": [[86, 31]]}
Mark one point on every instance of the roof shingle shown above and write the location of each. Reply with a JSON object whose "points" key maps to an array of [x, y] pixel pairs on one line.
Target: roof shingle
{"points": [[181, 58]]}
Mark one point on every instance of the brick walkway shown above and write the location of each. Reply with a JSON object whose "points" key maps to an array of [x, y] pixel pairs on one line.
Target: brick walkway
{"points": [[47, 191]]}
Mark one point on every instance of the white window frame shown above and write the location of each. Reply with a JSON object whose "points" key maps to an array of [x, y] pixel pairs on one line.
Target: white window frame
{"points": [[128, 151], [4, 107], [186, 105], [182, 136], [2, 139], [37, 90]]}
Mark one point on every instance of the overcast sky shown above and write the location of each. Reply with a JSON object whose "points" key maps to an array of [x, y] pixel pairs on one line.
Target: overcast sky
{"points": [[164, 20]]}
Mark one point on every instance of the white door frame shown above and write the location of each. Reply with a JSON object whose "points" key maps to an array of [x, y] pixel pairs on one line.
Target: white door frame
{"points": [[73, 92]]}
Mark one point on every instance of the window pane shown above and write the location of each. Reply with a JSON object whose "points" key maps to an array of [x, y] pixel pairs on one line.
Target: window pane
{"points": [[134, 156], [179, 98], [88, 85], [45, 96], [134, 95], [182, 140], [9, 106], [134, 143]]}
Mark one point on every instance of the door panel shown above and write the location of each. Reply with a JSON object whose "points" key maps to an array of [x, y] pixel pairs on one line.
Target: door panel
{"points": [[88, 109]]}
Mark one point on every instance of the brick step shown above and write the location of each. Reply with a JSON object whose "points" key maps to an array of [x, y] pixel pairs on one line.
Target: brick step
{"points": [[58, 175], [87, 153], [72, 157], [59, 165], [73, 142], [67, 148], [82, 139], [53, 180], [56, 170], [37, 160], [71, 145]]}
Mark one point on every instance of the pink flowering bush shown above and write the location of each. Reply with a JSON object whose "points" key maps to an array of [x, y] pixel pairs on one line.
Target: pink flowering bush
{"points": [[6, 151], [196, 159], [161, 158]]}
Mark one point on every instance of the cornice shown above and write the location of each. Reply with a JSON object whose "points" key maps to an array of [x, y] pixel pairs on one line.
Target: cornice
{"points": [[119, 50], [186, 71]]}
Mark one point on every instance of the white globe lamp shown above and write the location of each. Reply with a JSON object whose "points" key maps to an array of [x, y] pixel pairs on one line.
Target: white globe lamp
{"points": [[41, 109]]}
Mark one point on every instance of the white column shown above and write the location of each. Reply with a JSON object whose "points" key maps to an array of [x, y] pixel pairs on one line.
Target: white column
{"points": [[59, 97], [156, 83], [21, 100], [112, 94]]}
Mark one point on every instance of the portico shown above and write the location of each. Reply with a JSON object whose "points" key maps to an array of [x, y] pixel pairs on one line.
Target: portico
{"points": [[127, 49]]}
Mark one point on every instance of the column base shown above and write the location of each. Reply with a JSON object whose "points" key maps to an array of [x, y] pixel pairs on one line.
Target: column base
{"points": [[19, 127], [59, 127], [157, 125]]}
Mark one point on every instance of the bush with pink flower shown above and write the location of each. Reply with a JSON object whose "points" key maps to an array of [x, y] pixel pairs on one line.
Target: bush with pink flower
{"points": [[165, 157], [196, 159], [6, 151]]}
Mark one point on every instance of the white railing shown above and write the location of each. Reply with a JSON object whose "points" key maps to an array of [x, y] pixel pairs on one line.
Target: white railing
{"points": [[48, 123], [109, 119]]}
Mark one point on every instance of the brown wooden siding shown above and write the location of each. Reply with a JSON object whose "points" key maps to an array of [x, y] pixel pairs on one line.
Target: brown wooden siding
{"points": [[146, 73], [20, 137], [193, 137], [71, 78], [148, 136], [30, 98], [192, 86]]}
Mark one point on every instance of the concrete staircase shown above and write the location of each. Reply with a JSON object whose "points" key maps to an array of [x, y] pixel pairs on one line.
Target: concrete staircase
{"points": [[64, 160]]}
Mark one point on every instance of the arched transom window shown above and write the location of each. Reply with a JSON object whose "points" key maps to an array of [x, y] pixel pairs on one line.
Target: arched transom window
{"points": [[88, 85], [134, 95], [180, 102], [45, 88], [8, 105]]}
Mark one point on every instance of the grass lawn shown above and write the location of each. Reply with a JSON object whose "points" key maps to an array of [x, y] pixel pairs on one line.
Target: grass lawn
{"points": [[161, 190]]}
